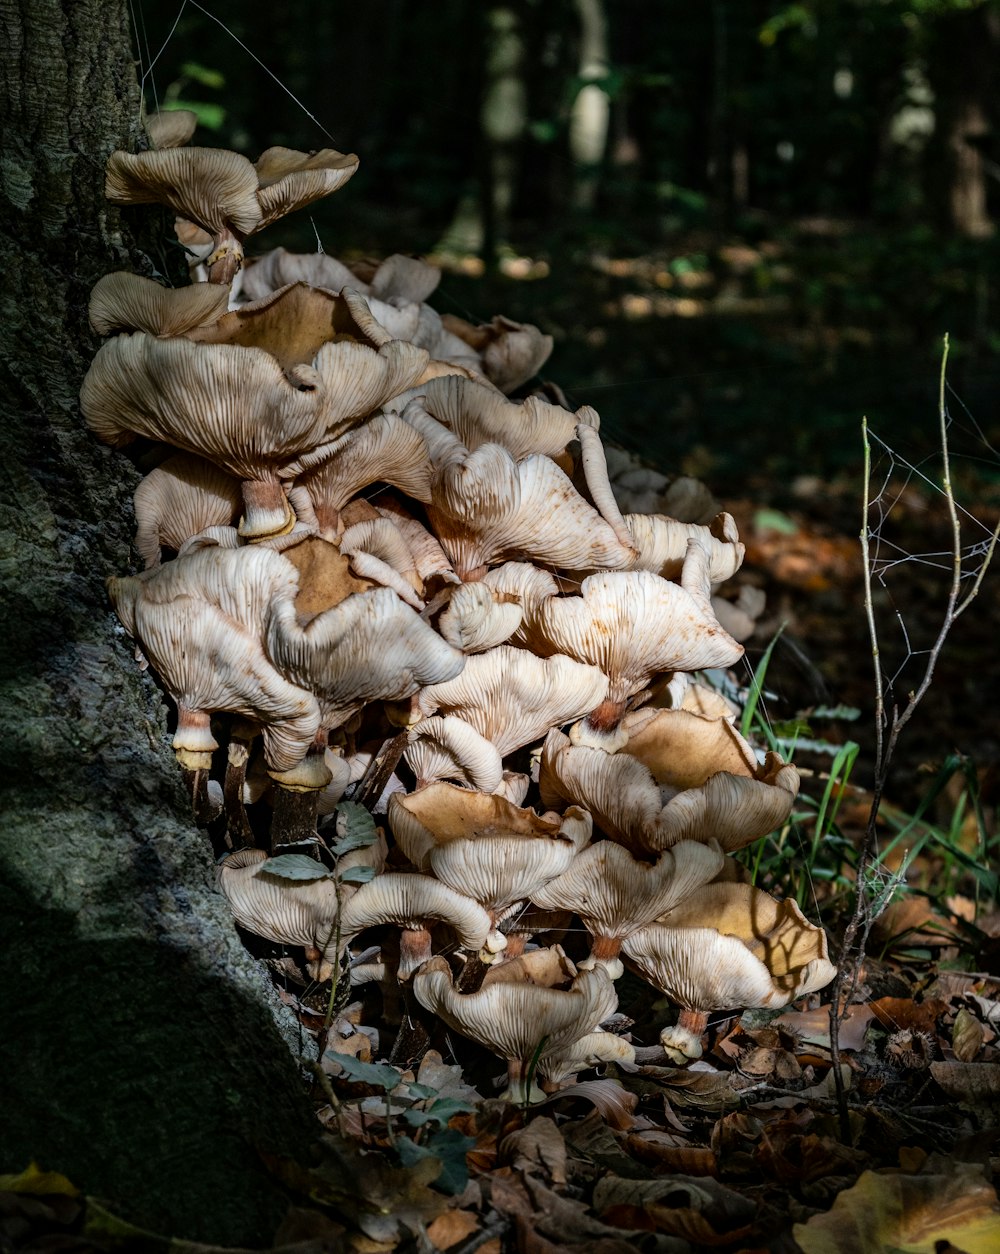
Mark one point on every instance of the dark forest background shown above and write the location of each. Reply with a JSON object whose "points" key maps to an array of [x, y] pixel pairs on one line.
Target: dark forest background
{"points": [[746, 223]]}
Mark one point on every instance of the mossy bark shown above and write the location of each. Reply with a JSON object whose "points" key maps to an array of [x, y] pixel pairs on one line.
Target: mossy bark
{"points": [[141, 1051]]}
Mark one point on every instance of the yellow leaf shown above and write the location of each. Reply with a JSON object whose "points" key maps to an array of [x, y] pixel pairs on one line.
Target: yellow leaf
{"points": [[34, 1180]]}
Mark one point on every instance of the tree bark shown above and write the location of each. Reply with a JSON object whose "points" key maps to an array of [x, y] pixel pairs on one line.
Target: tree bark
{"points": [[142, 1053]]}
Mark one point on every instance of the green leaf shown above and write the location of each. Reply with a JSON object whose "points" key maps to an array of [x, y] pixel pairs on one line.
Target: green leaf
{"points": [[421, 1091], [379, 1074], [440, 1112], [357, 875], [202, 74], [294, 866], [774, 520], [355, 829], [449, 1148]]}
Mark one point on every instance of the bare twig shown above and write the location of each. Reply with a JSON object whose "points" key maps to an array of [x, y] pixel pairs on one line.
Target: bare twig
{"points": [[889, 723]]}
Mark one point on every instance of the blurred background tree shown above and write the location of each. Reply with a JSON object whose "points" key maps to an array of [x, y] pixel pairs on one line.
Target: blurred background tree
{"points": [[753, 209]]}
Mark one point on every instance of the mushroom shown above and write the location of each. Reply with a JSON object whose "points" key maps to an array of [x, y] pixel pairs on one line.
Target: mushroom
{"points": [[450, 748], [728, 946], [127, 302], [510, 352], [235, 404], [633, 626], [512, 697], [732, 802], [182, 497], [614, 894], [414, 902], [170, 128], [663, 544], [200, 621], [225, 194], [483, 846], [521, 1022]]}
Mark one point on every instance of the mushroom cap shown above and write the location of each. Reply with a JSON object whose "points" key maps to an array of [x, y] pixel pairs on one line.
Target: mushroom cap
{"points": [[634, 625], [510, 352], [370, 647], [729, 945], [662, 543], [451, 748], [217, 189], [494, 852], [415, 901], [512, 697], [518, 1021], [614, 894], [477, 618], [235, 404], [170, 128], [200, 621], [628, 804], [182, 497], [128, 302], [291, 912]]}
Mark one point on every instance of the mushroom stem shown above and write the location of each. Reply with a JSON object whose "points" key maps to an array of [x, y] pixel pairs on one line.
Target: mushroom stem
{"points": [[605, 950], [238, 831], [682, 1041], [293, 820], [519, 1091], [226, 258], [414, 949], [196, 783], [606, 717], [266, 512]]}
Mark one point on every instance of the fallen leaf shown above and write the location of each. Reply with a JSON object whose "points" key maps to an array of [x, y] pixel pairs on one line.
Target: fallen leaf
{"points": [[969, 1081], [904, 1014], [451, 1227], [539, 1145], [914, 1214]]}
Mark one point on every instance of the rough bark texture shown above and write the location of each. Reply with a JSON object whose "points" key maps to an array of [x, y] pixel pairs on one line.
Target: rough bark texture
{"points": [[141, 1052]]}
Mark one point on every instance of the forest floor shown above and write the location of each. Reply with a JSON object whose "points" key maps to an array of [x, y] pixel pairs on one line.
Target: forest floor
{"points": [[750, 1148]]}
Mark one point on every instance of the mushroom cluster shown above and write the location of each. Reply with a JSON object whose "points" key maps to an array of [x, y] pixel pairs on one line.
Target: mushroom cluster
{"points": [[373, 577]]}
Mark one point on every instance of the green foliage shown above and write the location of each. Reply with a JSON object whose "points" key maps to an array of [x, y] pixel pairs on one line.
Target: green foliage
{"points": [[294, 866]]}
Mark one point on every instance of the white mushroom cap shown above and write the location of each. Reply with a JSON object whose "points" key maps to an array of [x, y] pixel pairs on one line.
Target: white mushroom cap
{"points": [[170, 128], [510, 352], [483, 846], [200, 621], [512, 697], [478, 618], [518, 1021], [588, 1051], [614, 894], [450, 748], [369, 647], [290, 912], [730, 945], [635, 625], [182, 497], [662, 543]]}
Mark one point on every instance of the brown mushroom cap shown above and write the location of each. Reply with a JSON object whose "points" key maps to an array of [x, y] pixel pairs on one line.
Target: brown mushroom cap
{"points": [[729, 945], [483, 846], [510, 352], [170, 128]]}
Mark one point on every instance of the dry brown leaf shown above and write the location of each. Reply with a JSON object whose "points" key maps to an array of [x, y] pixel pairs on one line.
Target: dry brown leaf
{"points": [[904, 1014], [666, 1150], [813, 1026], [969, 1081], [451, 1227], [694, 1227], [539, 1145], [967, 1035], [911, 1214]]}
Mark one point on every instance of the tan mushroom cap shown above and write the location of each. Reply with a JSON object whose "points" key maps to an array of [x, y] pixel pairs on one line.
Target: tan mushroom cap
{"points": [[662, 543], [483, 846], [451, 749], [629, 805], [182, 497], [200, 621], [290, 912], [370, 647], [682, 749], [383, 449], [614, 894], [520, 1022], [477, 618], [128, 302], [512, 697], [170, 128], [589, 1051], [510, 352], [635, 625], [219, 190], [729, 945]]}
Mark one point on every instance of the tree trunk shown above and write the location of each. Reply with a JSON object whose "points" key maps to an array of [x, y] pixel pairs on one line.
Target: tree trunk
{"points": [[142, 1054]]}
